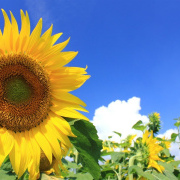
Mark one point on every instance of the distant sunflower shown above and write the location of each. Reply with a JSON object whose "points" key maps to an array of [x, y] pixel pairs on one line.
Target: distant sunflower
{"points": [[34, 95], [152, 148]]}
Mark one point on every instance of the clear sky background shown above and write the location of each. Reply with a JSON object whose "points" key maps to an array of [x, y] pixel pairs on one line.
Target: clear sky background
{"points": [[131, 47]]}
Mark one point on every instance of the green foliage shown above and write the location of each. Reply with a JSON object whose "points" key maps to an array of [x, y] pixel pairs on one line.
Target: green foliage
{"points": [[154, 122], [169, 169], [177, 124], [139, 126], [127, 159], [119, 134], [88, 146], [7, 175], [6, 171], [117, 156], [137, 170], [173, 136]]}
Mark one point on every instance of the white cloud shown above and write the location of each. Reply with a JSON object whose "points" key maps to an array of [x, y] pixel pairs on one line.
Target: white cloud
{"points": [[168, 133], [118, 116], [174, 149]]}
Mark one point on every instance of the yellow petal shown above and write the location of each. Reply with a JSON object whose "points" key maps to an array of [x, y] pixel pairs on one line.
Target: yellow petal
{"points": [[7, 30], [61, 124], [25, 24], [25, 154], [60, 104], [65, 96], [24, 33], [59, 134], [55, 37], [33, 172], [48, 133], [6, 144], [61, 60], [45, 47], [70, 113], [54, 50], [35, 35], [34, 149], [43, 143], [15, 154], [68, 83], [15, 30]]}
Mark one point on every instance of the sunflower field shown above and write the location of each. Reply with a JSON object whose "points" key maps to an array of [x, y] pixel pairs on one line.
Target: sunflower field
{"points": [[140, 158], [42, 133]]}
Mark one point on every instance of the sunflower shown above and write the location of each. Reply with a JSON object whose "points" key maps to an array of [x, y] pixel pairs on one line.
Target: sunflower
{"points": [[34, 95], [152, 149]]}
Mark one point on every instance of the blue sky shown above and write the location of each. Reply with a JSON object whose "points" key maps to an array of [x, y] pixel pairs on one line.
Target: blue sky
{"points": [[132, 48]]}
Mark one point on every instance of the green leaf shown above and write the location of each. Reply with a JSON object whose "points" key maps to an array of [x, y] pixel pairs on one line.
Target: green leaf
{"points": [[47, 177], [88, 145], [169, 169], [72, 165], [119, 134], [25, 176], [177, 124], [138, 123], [85, 176], [154, 175], [140, 172], [107, 173], [139, 126], [166, 152], [71, 121], [6, 165], [173, 136], [79, 176], [117, 156], [4, 175], [159, 176], [106, 153], [175, 163]]}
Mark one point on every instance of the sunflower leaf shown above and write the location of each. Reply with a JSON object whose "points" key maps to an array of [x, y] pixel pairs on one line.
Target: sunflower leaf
{"points": [[117, 156], [173, 136], [139, 126], [169, 169], [140, 172], [88, 145], [7, 175], [25, 176], [47, 177], [119, 134], [6, 165], [80, 176]]}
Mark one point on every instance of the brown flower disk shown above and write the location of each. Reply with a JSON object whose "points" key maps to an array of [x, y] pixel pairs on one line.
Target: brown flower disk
{"points": [[22, 116]]}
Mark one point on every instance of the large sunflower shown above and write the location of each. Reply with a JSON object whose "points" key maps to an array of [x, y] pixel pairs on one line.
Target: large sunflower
{"points": [[34, 95]]}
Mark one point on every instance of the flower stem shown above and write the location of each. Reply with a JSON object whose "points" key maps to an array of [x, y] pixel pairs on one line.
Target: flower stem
{"points": [[119, 174], [131, 163]]}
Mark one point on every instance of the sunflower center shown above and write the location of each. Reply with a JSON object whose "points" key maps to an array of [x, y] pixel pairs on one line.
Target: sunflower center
{"points": [[17, 90], [24, 93]]}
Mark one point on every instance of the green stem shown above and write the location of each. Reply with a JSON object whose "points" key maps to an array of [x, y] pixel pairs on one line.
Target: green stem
{"points": [[76, 158], [119, 174], [131, 163]]}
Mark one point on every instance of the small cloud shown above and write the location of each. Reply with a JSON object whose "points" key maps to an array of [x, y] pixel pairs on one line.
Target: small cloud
{"points": [[118, 116]]}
